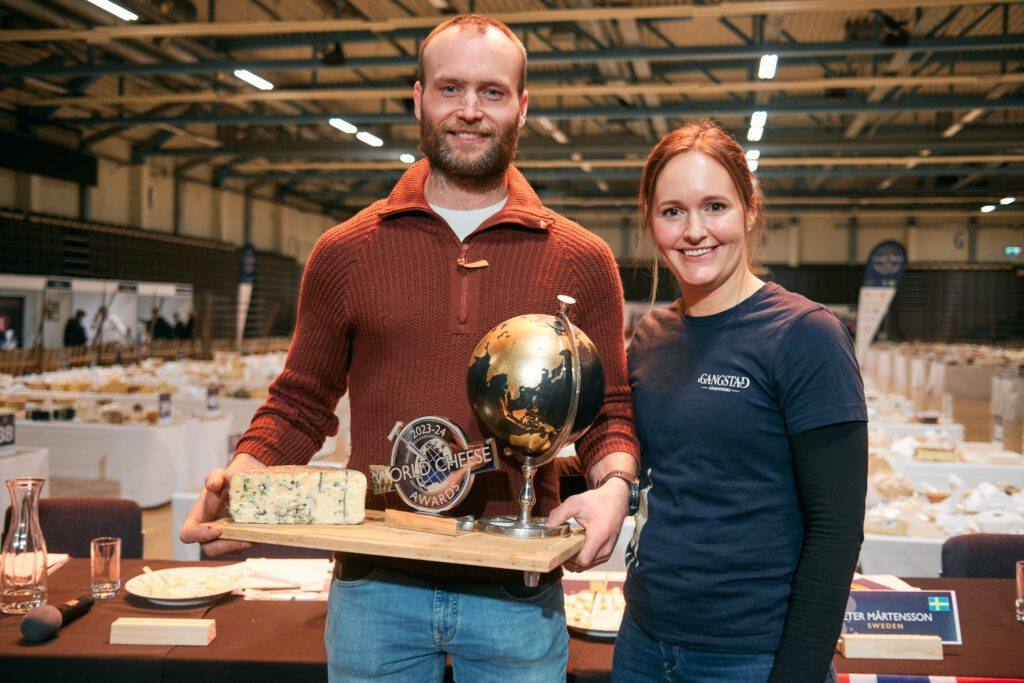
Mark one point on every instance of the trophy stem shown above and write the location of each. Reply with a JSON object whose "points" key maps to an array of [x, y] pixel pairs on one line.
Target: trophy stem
{"points": [[527, 495]]}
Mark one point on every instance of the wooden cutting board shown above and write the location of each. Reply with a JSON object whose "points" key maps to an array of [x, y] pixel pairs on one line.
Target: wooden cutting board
{"points": [[373, 538]]}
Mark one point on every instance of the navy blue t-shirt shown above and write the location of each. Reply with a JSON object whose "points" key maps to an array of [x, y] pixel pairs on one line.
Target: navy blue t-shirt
{"points": [[717, 397]]}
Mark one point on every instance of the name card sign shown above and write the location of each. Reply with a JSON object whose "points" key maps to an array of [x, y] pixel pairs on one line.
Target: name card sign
{"points": [[164, 409], [6, 433], [911, 613], [213, 400]]}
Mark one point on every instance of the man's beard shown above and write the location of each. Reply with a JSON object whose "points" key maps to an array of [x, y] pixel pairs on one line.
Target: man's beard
{"points": [[481, 171]]}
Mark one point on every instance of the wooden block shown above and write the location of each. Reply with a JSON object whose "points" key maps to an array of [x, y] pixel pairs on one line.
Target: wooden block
{"points": [[889, 646], [373, 537], [161, 631], [433, 524]]}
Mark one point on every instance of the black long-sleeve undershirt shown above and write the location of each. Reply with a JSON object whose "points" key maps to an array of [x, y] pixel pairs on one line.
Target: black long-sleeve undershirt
{"points": [[830, 467]]}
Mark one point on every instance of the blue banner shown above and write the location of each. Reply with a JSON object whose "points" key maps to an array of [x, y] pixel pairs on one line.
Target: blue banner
{"points": [[905, 613], [885, 265], [248, 265]]}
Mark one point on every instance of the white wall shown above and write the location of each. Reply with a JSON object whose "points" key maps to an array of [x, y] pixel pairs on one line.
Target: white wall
{"points": [[143, 196]]}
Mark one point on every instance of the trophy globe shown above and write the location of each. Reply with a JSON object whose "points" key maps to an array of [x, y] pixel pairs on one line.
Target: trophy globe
{"points": [[536, 384]]}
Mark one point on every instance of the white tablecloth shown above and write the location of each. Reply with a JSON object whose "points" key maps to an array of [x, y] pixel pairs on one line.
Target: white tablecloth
{"points": [[937, 473], [954, 431], [23, 462], [139, 462], [901, 555], [181, 501], [207, 449]]}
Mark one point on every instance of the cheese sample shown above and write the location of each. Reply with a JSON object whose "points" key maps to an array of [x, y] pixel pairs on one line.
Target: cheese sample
{"points": [[298, 495]]}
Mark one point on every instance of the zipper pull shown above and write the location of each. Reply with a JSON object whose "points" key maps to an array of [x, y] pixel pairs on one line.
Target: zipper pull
{"points": [[482, 263]]}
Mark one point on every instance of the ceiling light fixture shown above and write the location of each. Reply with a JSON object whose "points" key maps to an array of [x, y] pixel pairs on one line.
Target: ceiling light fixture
{"points": [[988, 208], [766, 69], [253, 80], [343, 125], [753, 154], [1007, 200], [115, 9], [754, 134], [759, 119], [406, 158], [369, 138]]}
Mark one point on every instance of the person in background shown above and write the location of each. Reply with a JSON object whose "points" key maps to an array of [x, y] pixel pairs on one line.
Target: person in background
{"points": [[180, 332], [74, 330], [375, 316], [107, 328], [190, 324], [753, 439]]}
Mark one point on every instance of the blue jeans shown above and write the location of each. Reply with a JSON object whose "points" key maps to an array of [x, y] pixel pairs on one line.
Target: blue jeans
{"points": [[392, 627], [641, 659]]}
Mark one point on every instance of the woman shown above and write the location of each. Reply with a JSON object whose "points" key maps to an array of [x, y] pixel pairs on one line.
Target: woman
{"points": [[752, 424]]}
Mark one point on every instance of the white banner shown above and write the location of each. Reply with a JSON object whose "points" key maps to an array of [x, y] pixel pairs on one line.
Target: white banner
{"points": [[244, 295], [871, 309]]}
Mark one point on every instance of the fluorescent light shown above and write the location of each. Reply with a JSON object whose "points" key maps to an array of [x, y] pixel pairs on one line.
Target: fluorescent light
{"points": [[753, 154], [343, 125], [766, 69], [115, 9], [369, 138], [754, 134], [1007, 200], [758, 119], [253, 80], [602, 185], [752, 164], [559, 137], [406, 158], [988, 208]]}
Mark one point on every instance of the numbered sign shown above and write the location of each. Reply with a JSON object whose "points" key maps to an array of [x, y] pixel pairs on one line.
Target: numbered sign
{"points": [[212, 399], [164, 409], [6, 433]]}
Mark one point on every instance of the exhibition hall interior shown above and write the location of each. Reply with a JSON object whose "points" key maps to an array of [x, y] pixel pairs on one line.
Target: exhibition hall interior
{"points": [[328, 327]]}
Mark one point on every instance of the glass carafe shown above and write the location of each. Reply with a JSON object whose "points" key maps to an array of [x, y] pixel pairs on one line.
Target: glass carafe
{"points": [[23, 561]]}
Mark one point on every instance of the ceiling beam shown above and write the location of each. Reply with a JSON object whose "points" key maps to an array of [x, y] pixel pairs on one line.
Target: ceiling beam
{"points": [[989, 47], [910, 161], [101, 34], [793, 105], [643, 89]]}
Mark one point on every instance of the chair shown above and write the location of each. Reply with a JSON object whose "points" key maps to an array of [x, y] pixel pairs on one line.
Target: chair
{"points": [[69, 524], [982, 556]]}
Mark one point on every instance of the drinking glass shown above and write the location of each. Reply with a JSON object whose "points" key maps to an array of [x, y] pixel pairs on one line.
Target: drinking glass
{"points": [[105, 555]]}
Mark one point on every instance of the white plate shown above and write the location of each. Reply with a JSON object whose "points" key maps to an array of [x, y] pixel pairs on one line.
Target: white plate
{"points": [[189, 586]]}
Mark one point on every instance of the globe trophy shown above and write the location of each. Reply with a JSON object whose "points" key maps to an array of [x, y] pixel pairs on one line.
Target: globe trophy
{"points": [[536, 384]]}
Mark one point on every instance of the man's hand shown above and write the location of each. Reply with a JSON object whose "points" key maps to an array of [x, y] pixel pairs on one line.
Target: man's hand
{"points": [[212, 505], [600, 512]]}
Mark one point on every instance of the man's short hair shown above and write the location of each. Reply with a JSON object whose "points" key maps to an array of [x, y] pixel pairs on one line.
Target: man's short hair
{"points": [[481, 23]]}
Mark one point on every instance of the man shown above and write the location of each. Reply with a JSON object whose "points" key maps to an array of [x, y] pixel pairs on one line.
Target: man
{"points": [[179, 327], [392, 304], [74, 331], [107, 328]]}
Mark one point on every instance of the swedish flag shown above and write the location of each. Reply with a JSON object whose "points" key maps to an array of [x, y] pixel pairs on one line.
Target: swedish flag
{"points": [[938, 604]]}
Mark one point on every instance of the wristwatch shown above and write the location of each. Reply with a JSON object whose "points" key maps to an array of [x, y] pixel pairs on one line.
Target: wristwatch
{"points": [[634, 488]]}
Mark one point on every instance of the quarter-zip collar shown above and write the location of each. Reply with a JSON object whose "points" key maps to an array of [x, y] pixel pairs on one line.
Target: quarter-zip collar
{"points": [[523, 206]]}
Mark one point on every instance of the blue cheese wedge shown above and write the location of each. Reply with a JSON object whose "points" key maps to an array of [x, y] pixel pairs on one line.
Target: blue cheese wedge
{"points": [[298, 495]]}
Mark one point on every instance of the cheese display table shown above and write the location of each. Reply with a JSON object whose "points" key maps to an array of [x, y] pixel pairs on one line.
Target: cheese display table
{"points": [[901, 555], [207, 449], [23, 462], [952, 432], [937, 474], [139, 462]]}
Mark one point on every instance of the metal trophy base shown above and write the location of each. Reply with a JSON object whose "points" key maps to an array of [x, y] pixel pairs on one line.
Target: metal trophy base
{"points": [[511, 526]]}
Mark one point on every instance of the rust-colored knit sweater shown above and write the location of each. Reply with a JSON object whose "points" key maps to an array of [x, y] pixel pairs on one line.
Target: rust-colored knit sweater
{"points": [[390, 311]]}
